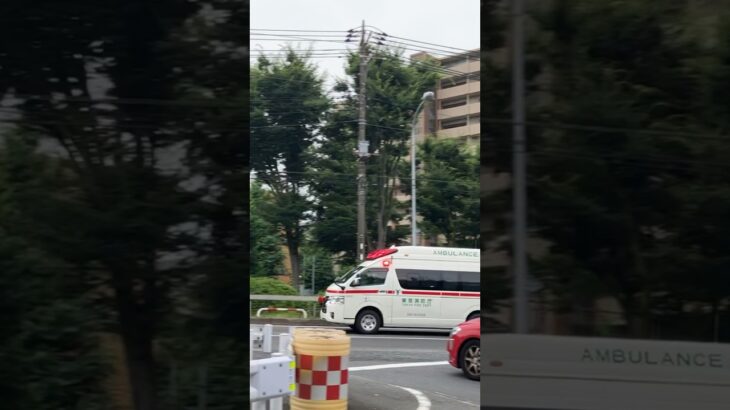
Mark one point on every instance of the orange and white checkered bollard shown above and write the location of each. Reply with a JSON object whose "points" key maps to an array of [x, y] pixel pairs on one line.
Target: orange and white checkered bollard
{"points": [[322, 357]]}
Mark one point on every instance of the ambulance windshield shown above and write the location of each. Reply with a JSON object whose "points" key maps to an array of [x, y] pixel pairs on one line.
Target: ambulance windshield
{"points": [[344, 278]]}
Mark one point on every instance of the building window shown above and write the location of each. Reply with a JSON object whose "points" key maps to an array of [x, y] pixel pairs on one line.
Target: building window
{"points": [[453, 102], [451, 63], [453, 123], [474, 98], [474, 119], [453, 82]]}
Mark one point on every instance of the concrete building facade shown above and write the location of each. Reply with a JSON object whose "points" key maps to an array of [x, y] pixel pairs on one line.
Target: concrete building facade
{"points": [[455, 110]]}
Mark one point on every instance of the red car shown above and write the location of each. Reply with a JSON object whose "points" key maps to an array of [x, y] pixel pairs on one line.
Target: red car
{"points": [[464, 348]]}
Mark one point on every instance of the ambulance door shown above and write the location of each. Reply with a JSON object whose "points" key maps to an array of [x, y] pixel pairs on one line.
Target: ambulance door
{"points": [[418, 301], [368, 289]]}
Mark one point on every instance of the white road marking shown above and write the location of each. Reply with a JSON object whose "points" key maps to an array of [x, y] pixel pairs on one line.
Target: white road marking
{"points": [[440, 339], [324, 327], [383, 330], [423, 402], [446, 396], [396, 365]]}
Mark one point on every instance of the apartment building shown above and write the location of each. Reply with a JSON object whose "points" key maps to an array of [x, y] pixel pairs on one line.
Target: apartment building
{"points": [[455, 111]]}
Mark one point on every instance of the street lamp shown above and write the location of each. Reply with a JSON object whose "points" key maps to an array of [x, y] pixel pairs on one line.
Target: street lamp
{"points": [[427, 96]]}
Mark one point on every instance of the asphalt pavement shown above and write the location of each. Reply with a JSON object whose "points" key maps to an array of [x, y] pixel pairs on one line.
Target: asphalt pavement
{"points": [[403, 370]]}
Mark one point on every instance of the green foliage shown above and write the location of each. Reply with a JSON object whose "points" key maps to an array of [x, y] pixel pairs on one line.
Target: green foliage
{"points": [[628, 214], [266, 255], [394, 90], [270, 286], [321, 260], [51, 356], [448, 191], [289, 104], [138, 204]]}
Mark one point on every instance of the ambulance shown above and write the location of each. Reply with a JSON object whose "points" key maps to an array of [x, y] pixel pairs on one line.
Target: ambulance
{"points": [[406, 287]]}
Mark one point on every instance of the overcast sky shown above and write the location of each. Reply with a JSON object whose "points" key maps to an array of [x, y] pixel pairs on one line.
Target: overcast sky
{"points": [[453, 23]]}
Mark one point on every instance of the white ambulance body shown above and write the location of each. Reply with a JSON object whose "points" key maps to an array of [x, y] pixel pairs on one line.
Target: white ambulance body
{"points": [[407, 286], [543, 372]]}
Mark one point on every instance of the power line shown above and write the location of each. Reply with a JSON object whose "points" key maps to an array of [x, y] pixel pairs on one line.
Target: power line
{"points": [[298, 125], [648, 162], [316, 39], [307, 31], [348, 175], [416, 47], [125, 125], [131, 101], [610, 130], [300, 35], [315, 49], [427, 66], [298, 38], [422, 42]]}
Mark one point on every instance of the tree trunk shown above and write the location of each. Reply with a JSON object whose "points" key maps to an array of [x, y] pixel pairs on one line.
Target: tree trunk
{"points": [[135, 323], [292, 245]]}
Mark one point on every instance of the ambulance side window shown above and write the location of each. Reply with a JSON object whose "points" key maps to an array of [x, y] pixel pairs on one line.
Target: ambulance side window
{"points": [[469, 281], [373, 277]]}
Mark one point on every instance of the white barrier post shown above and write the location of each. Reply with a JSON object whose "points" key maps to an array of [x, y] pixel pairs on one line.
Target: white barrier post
{"points": [[268, 335], [250, 345], [276, 403], [259, 405], [284, 340]]}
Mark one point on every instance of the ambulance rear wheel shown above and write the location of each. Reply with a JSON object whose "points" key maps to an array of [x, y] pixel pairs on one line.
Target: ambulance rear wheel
{"points": [[368, 322]]}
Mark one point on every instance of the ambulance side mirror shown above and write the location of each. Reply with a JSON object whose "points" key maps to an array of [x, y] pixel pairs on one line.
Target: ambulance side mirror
{"points": [[355, 282]]}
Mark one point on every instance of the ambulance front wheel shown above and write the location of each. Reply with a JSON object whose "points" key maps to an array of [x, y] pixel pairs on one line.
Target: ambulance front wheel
{"points": [[368, 322]]}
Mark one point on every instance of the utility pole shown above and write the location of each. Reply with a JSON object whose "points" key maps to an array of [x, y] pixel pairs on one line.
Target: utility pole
{"points": [[362, 149], [519, 172]]}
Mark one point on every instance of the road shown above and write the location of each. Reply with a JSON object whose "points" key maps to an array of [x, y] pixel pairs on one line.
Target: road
{"points": [[404, 370]]}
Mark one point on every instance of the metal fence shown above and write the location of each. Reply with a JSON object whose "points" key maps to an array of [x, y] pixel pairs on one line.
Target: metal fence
{"points": [[308, 303]]}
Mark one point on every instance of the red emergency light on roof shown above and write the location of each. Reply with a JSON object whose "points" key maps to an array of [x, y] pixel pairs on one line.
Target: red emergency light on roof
{"points": [[379, 253]]}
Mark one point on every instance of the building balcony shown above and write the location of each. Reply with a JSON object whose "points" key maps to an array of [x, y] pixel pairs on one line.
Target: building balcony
{"points": [[464, 67], [470, 129], [467, 109], [464, 89]]}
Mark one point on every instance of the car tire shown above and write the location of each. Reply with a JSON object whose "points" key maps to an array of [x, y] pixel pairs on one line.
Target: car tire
{"points": [[470, 359], [368, 322], [472, 316]]}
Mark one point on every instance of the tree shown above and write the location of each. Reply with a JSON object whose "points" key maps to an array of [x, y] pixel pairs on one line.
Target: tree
{"points": [[612, 202], [47, 335], [448, 191], [266, 255], [394, 91], [288, 108], [116, 203]]}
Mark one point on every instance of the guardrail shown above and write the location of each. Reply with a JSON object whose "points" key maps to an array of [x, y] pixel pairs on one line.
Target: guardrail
{"points": [[258, 312], [290, 298], [285, 298]]}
